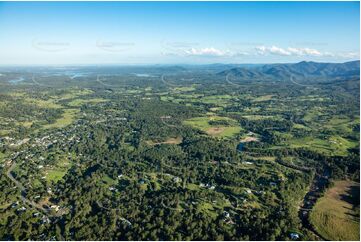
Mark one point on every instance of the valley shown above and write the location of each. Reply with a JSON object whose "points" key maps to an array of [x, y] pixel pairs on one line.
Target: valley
{"points": [[204, 153]]}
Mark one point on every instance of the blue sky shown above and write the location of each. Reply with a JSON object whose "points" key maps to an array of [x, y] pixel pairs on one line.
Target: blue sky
{"points": [[177, 32]]}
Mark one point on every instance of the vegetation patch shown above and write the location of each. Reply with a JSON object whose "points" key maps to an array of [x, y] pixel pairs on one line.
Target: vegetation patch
{"points": [[336, 215], [66, 119], [215, 125], [56, 173], [171, 141], [80, 102]]}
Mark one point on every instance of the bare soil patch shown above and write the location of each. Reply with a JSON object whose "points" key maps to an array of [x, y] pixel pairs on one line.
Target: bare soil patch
{"points": [[215, 130]]}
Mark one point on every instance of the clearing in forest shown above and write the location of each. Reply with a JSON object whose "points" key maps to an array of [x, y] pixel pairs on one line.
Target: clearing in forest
{"points": [[66, 119], [336, 215], [171, 141], [215, 125]]}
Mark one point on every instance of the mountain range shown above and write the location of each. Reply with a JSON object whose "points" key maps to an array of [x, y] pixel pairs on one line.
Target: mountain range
{"points": [[304, 70]]}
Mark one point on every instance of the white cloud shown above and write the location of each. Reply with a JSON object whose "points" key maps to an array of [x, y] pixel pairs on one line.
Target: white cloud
{"points": [[278, 51], [350, 55], [290, 51], [185, 50], [208, 51]]}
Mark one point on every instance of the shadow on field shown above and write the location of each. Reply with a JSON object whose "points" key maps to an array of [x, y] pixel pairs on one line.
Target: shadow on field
{"points": [[352, 196]]}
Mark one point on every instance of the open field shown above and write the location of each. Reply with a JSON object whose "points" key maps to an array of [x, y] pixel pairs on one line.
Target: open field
{"points": [[336, 216], [203, 123], [50, 103], [66, 119], [333, 145], [171, 141], [80, 102], [55, 173]]}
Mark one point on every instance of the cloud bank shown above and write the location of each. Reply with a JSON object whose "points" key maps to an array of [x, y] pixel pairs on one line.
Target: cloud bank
{"points": [[261, 51]]}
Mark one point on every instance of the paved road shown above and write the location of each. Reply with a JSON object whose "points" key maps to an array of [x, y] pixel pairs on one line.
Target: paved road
{"points": [[23, 191], [294, 82], [232, 83], [104, 84], [168, 83], [37, 83]]}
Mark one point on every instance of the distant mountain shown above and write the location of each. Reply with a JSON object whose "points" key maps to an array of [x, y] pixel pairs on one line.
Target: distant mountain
{"points": [[302, 71]]}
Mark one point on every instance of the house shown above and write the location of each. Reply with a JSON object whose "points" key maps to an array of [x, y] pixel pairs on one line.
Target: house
{"points": [[45, 220], [55, 207], [49, 190], [113, 189], [21, 209], [15, 204], [177, 179], [226, 214], [294, 236]]}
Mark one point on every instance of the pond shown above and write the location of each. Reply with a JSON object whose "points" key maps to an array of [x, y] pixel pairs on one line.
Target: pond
{"points": [[142, 75], [17, 80], [240, 146]]}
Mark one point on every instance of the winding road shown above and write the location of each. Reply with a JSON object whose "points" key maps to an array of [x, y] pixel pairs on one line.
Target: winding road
{"points": [[168, 83], [23, 194], [104, 84], [232, 83]]}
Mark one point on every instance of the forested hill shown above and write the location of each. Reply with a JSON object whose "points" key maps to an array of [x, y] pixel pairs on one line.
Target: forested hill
{"points": [[302, 71]]}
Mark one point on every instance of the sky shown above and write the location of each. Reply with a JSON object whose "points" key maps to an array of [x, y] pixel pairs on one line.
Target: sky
{"points": [[69, 33]]}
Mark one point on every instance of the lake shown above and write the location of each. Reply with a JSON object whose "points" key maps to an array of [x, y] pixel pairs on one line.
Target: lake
{"points": [[240, 146], [17, 80]]}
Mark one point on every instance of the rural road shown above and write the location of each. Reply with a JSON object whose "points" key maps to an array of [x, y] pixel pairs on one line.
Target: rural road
{"points": [[232, 83], [104, 84], [23, 191], [302, 85], [167, 83]]}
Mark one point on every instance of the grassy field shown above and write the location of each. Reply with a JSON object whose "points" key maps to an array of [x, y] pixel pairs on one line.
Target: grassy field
{"points": [[261, 117], [263, 98], [336, 215], [50, 103], [184, 89], [80, 102], [203, 123], [172, 141], [55, 175], [66, 119], [333, 145], [57, 172], [72, 94]]}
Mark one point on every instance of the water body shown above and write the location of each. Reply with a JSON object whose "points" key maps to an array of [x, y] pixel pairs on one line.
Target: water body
{"points": [[70, 74], [77, 75], [240, 146], [142, 75], [17, 80]]}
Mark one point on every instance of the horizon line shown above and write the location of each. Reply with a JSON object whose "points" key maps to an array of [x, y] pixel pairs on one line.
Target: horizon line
{"points": [[162, 64]]}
